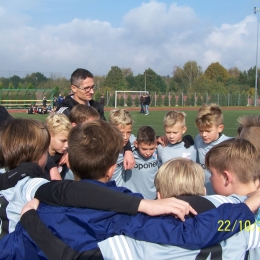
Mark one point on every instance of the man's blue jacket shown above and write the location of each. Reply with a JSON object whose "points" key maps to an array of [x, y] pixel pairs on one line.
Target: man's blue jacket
{"points": [[83, 228]]}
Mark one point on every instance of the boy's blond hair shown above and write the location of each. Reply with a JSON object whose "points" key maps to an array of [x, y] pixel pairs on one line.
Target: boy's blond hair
{"points": [[120, 117], [172, 117], [57, 123], [236, 155], [180, 177], [209, 115], [82, 113]]}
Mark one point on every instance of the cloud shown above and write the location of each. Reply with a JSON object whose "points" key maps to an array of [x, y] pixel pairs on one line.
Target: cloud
{"points": [[152, 35]]}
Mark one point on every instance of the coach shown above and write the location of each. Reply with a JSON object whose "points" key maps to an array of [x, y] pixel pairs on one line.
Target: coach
{"points": [[83, 88]]}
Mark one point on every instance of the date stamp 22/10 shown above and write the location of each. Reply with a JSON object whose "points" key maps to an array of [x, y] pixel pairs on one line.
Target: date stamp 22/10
{"points": [[226, 226]]}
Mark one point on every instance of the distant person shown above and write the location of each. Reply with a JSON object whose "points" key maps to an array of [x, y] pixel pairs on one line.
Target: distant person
{"points": [[147, 101], [55, 101], [40, 110], [142, 111], [60, 99], [102, 100], [30, 109], [44, 101]]}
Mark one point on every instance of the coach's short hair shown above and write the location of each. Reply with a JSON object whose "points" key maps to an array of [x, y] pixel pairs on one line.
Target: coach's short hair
{"points": [[120, 117], [80, 74], [180, 177], [173, 117], [209, 115], [236, 155], [58, 123], [22, 140], [93, 148], [146, 134], [82, 113]]}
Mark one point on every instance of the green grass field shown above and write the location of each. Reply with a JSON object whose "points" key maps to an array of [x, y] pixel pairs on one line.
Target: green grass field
{"points": [[155, 119]]}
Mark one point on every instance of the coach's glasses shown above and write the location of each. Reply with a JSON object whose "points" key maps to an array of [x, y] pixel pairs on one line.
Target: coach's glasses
{"points": [[87, 89]]}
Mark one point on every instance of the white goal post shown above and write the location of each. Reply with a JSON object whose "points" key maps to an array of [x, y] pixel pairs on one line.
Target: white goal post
{"points": [[122, 91]]}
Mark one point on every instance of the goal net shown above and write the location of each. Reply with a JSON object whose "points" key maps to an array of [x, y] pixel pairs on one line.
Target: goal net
{"points": [[122, 92]]}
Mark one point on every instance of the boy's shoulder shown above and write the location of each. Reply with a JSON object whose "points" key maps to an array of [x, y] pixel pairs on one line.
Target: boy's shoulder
{"points": [[217, 200]]}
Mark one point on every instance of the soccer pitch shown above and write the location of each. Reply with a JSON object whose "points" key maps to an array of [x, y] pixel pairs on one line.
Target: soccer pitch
{"points": [[155, 120]]}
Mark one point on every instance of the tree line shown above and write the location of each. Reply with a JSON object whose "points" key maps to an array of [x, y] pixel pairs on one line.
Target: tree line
{"points": [[189, 79]]}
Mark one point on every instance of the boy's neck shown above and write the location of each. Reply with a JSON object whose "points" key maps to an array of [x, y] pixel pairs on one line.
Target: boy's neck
{"points": [[243, 189]]}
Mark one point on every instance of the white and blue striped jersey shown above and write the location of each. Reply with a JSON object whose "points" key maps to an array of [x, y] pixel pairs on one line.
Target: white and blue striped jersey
{"points": [[119, 173], [122, 247], [16, 197], [174, 151], [202, 149], [140, 179]]}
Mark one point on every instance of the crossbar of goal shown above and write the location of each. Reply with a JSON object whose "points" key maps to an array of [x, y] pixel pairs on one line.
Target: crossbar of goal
{"points": [[130, 91]]}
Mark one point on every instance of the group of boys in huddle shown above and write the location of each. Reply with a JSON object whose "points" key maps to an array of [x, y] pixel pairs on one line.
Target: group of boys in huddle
{"points": [[78, 219]]}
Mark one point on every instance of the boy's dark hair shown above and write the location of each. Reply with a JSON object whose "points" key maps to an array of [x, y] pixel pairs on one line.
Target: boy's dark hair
{"points": [[81, 113], [80, 74], [22, 140], [93, 148], [146, 134]]}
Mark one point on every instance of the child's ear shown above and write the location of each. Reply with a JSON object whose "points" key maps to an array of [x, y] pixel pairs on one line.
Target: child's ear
{"points": [[220, 128], [227, 177], [73, 124], [159, 197], [184, 129], [111, 171], [136, 144]]}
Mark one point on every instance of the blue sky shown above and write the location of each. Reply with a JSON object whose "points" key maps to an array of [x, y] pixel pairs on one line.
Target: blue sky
{"points": [[60, 36]]}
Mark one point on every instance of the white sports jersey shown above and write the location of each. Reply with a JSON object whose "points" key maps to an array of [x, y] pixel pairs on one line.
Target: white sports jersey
{"points": [[119, 173], [140, 179], [202, 149], [122, 247], [176, 150], [18, 196]]}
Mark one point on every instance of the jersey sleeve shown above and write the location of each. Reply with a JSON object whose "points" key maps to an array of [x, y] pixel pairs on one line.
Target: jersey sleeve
{"points": [[51, 245], [194, 233], [87, 195]]}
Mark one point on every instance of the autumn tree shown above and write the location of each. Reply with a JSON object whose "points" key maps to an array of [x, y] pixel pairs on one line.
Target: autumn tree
{"points": [[115, 79], [216, 71], [129, 101], [185, 76]]}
